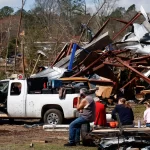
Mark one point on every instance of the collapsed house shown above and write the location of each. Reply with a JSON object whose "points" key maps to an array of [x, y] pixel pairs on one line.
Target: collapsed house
{"points": [[126, 62]]}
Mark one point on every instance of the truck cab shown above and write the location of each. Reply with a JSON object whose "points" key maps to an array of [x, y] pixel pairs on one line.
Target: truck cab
{"points": [[12, 102], [50, 100], [40, 98]]}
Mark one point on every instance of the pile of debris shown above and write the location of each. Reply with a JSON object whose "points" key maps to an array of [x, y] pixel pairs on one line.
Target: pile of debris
{"points": [[126, 62]]}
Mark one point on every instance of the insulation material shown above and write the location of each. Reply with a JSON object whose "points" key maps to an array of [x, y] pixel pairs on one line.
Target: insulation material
{"points": [[122, 45], [135, 48], [146, 25], [146, 50], [147, 73], [144, 13], [141, 35], [139, 49], [139, 30], [104, 91], [129, 37]]}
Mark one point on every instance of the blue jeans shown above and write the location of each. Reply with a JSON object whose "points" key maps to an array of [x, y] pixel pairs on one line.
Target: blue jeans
{"points": [[147, 124], [74, 129]]}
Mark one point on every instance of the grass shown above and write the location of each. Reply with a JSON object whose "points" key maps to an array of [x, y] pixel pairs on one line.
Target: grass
{"points": [[138, 111], [45, 146]]}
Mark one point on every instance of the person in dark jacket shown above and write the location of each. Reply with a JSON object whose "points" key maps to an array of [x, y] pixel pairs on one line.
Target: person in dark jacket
{"points": [[124, 111]]}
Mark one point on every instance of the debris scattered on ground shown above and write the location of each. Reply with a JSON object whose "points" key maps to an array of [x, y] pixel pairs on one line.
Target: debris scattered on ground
{"points": [[32, 126]]}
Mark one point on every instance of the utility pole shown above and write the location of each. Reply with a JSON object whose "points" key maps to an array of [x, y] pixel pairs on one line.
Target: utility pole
{"points": [[18, 32], [8, 38], [8, 33], [22, 50], [1, 34]]}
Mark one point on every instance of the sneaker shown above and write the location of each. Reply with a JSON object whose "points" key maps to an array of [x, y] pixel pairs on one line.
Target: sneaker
{"points": [[70, 144]]}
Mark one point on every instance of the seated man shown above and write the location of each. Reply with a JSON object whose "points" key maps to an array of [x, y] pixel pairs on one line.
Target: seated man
{"points": [[86, 106], [124, 111], [100, 113]]}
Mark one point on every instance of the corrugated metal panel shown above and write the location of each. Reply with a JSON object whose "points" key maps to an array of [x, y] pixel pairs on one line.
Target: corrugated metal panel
{"points": [[100, 43]]}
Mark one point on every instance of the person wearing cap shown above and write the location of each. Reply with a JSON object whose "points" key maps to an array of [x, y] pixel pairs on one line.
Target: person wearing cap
{"points": [[125, 113], [100, 113], [86, 107], [147, 114]]}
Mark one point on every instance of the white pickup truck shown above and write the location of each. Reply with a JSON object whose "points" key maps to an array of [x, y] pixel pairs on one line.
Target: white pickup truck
{"points": [[31, 98]]}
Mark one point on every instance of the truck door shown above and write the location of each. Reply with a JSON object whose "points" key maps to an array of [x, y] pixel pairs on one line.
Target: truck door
{"points": [[16, 98]]}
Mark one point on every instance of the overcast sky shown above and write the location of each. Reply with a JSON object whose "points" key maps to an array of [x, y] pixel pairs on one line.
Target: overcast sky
{"points": [[16, 4], [124, 3]]}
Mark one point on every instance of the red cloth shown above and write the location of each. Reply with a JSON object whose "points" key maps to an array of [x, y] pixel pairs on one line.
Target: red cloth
{"points": [[100, 114]]}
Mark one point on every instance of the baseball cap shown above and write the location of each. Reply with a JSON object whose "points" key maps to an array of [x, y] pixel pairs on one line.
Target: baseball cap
{"points": [[83, 91]]}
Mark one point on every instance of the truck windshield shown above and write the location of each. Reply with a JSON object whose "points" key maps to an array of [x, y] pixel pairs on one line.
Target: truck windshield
{"points": [[4, 86]]}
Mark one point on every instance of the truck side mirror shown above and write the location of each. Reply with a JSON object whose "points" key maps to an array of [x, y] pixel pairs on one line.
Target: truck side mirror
{"points": [[62, 93]]}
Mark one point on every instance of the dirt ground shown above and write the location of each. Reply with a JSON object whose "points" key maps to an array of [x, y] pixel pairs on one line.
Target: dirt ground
{"points": [[18, 136], [21, 132]]}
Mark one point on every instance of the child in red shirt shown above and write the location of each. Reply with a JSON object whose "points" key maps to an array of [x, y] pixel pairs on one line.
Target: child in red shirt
{"points": [[100, 113]]}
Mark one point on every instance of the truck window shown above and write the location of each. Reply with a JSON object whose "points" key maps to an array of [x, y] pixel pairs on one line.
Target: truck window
{"points": [[3, 91], [15, 88], [36, 85], [4, 86]]}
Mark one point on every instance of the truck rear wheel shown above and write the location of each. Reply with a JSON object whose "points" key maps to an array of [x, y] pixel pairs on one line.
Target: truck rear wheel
{"points": [[53, 116], [86, 138]]}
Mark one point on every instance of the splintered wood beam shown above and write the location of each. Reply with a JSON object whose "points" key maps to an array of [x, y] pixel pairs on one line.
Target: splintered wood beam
{"points": [[92, 65], [100, 30], [60, 55], [133, 79], [69, 49], [113, 64], [140, 58], [122, 21], [127, 25], [140, 62], [87, 68], [134, 70], [78, 65], [98, 67]]}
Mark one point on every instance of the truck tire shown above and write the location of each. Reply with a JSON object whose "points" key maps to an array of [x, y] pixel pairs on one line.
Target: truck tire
{"points": [[11, 120], [86, 138], [53, 116]]}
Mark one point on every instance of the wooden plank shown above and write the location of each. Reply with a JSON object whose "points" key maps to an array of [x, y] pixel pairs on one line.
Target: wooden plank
{"points": [[3, 116], [56, 137], [106, 131], [147, 129], [116, 130], [56, 130], [39, 141]]}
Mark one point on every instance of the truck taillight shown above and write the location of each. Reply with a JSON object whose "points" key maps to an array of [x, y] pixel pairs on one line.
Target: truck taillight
{"points": [[75, 102]]}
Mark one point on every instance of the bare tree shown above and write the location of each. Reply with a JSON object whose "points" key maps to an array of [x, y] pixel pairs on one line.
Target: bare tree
{"points": [[55, 20], [19, 27], [110, 5]]}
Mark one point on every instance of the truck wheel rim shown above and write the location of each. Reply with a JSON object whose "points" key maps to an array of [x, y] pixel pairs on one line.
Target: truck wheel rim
{"points": [[52, 118]]}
